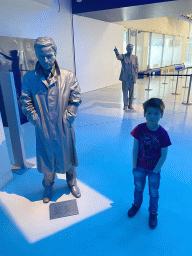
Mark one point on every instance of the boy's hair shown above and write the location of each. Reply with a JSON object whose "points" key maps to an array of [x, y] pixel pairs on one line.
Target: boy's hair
{"points": [[155, 103]]}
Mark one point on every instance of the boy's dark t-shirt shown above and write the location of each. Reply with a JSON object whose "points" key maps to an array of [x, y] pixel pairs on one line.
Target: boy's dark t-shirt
{"points": [[150, 144]]}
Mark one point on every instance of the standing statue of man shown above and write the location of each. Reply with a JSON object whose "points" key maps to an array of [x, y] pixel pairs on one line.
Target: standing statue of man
{"points": [[128, 76], [50, 98]]}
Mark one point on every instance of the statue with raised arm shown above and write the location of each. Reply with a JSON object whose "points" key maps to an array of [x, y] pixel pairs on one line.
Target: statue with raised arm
{"points": [[128, 76], [50, 98]]}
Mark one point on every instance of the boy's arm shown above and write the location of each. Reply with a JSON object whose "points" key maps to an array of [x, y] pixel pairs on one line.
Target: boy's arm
{"points": [[135, 152], [161, 160]]}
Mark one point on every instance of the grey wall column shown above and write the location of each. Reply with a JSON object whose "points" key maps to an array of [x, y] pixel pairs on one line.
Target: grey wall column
{"points": [[162, 56], [149, 49], [6, 174], [129, 35], [136, 36], [12, 113]]}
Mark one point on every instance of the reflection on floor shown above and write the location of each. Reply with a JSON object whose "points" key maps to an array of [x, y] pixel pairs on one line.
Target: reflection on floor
{"points": [[104, 147]]}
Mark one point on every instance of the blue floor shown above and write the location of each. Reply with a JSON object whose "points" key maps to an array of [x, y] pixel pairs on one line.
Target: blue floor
{"points": [[104, 147]]}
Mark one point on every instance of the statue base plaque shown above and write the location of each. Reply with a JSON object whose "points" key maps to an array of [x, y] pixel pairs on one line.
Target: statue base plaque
{"points": [[63, 209]]}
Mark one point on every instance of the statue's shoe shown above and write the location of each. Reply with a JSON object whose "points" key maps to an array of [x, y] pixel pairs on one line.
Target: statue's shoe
{"points": [[47, 195], [75, 191]]}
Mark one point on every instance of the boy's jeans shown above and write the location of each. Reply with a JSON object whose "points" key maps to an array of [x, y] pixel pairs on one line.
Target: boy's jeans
{"points": [[153, 182]]}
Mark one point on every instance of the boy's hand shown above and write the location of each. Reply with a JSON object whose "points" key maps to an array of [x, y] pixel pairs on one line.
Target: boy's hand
{"points": [[161, 161]]}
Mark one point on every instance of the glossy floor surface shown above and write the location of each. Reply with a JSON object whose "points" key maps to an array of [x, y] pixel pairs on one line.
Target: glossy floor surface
{"points": [[104, 147]]}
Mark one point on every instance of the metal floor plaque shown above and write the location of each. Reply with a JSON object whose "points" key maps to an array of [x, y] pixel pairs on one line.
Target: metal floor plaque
{"points": [[63, 209]]}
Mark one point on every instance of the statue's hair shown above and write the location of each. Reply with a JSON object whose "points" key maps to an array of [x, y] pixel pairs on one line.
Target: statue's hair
{"points": [[45, 42], [130, 45]]}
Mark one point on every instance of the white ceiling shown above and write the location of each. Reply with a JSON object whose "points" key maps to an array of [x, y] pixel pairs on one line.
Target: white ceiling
{"points": [[164, 9], [44, 2], [33, 4]]}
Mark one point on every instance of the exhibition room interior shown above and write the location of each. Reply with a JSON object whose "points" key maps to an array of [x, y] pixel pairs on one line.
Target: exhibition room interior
{"points": [[86, 33]]}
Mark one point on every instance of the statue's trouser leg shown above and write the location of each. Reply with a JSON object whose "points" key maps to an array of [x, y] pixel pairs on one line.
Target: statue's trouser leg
{"points": [[49, 179], [48, 182], [125, 92], [131, 90], [71, 176]]}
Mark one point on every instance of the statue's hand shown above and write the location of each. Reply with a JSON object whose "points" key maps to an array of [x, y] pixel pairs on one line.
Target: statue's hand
{"points": [[115, 50]]}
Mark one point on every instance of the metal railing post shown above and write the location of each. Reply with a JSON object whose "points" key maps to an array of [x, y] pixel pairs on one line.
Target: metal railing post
{"points": [[148, 89], [186, 80], [181, 76], [189, 90], [173, 72], [165, 75], [175, 93]]}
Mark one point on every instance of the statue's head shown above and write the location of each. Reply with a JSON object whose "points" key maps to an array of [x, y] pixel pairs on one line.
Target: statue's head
{"points": [[14, 53], [46, 51], [129, 48]]}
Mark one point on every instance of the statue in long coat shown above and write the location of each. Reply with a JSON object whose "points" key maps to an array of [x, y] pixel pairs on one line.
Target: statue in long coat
{"points": [[50, 98], [128, 76]]}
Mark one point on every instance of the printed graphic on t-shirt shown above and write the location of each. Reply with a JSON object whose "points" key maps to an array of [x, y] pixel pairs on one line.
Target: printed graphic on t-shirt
{"points": [[148, 147]]}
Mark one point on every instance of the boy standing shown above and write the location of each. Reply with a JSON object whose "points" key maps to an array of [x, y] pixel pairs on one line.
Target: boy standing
{"points": [[150, 149]]}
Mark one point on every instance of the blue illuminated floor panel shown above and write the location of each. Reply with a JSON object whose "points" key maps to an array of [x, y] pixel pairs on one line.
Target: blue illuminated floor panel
{"points": [[104, 147]]}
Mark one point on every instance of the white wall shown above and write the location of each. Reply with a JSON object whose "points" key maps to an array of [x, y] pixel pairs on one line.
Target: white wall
{"points": [[29, 19], [96, 64]]}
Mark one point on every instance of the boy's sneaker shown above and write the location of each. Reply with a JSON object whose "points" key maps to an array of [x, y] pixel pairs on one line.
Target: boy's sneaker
{"points": [[133, 210], [153, 220]]}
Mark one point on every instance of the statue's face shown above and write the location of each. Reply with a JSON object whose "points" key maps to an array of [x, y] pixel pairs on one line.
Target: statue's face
{"points": [[129, 49], [46, 57]]}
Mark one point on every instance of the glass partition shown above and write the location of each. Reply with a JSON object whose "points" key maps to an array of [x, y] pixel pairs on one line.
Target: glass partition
{"points": [[168, 51], [132, 39], [190, 30], [178, 43], [156, 51], [142, 49], [188, 55], [125, 41]]}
